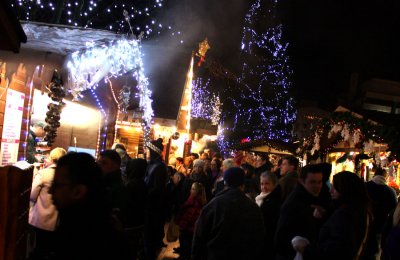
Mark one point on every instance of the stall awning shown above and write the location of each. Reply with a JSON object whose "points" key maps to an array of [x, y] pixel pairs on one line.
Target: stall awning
{"points": [[268, 146]]}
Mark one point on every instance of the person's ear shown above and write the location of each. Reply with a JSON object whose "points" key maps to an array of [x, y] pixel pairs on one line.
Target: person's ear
{"points": [[79, 192]]}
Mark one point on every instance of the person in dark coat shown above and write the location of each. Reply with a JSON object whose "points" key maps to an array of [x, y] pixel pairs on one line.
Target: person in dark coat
{"points": [[289, 175], [110, 163], [297, 214], [157, 203], [121, 150], [344, 234], [325, 195], [136, 203], [250, 183], [136, 192], [86, 229], [215, 171], [391, 236], [269, 202], [37, 130], [219, 184], [231, 225], [384, 201], [262, 164]]}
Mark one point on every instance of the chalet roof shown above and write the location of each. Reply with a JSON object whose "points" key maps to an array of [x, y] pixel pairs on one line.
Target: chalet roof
{"points": [[63, 39]]}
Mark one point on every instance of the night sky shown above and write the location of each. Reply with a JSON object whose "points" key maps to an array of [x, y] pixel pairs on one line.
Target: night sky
{"points": [[328, 40]]}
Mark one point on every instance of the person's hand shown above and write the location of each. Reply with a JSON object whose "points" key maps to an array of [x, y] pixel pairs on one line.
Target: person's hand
{"points": [[319, 212]]}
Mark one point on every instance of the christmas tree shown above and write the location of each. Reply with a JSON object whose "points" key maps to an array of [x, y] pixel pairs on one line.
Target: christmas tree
{"points": [[264, 106]]}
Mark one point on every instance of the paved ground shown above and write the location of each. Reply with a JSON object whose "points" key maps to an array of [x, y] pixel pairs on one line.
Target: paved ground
{"points": [[167, 253]]}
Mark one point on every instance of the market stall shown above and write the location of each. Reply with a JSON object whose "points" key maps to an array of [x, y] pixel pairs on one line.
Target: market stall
{"points": [[70, 79], [350, 142]]}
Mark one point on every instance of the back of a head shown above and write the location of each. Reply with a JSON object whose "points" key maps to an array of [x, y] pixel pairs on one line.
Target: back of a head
{"points": [[351, 188], [195, 155], [217, 156], [217, 162], [248, 168], [310, 168], [112, 155], [326, 169], [118, 146], [179, 159], [198, 188], [56, 154], [292, 161], [172, 161], [136, 168], [234, 177], [39, 124], [198, 163], [380, 172], [228, 163], [83, 169], [155, 149]]}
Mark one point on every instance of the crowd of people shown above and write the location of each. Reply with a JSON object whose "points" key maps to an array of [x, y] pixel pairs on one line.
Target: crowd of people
{"points": [[117, 208]]}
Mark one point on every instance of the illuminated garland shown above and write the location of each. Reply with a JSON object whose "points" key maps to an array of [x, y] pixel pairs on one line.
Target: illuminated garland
{"points": [[205, 105], [343, 126], [87, 68]]}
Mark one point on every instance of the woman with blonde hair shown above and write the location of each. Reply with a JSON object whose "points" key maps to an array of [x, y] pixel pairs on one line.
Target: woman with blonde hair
{"points": [[43, 215]]}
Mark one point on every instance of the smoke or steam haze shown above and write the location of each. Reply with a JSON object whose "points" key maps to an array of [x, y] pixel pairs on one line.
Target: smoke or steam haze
{"points": [[166, 60]]}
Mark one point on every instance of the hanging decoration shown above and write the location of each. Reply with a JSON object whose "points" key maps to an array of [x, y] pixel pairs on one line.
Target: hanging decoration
{"points": [[86, 68], [56, 93], [123, 98], [343, 126]]}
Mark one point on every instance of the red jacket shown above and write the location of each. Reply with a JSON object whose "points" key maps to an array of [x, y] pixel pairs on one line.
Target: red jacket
{"points": [[189, 213]]}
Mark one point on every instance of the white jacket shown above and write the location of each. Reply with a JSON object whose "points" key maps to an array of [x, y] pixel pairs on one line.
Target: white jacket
{"points": [[43, 214]]}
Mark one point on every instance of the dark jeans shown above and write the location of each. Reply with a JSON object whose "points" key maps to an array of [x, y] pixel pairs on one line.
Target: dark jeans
{"points": [[185, 241], [135, 240], [45, 244]]}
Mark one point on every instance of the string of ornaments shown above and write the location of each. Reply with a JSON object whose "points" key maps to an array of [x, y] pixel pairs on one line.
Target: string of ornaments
{"points": [[56, 94]]}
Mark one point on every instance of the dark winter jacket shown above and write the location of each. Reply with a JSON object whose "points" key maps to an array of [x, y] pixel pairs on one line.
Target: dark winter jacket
{"points": [[340, 237], [156, 180], [136, 202], [296, 219], [30, 148], [383, 200], [87, 232], [270, 209], [230, 227], [116, 192], [288, 183]]}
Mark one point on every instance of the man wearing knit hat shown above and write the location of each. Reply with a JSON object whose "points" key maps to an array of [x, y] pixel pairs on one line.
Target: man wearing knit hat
{"points": [[231, 220], [156, 181]]}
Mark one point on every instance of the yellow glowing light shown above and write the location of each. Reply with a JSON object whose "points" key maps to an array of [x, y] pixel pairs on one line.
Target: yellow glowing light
{"points": [[72, 114]]}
